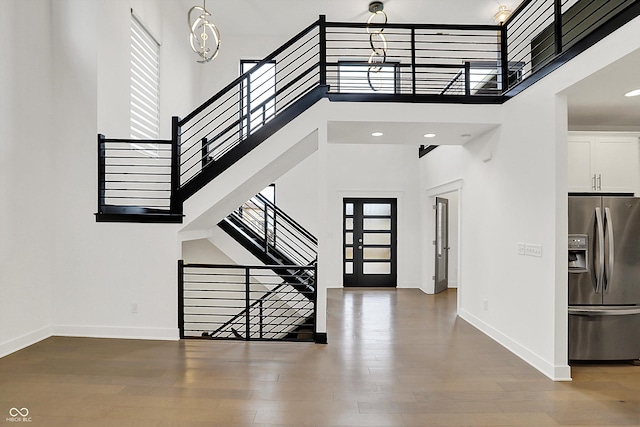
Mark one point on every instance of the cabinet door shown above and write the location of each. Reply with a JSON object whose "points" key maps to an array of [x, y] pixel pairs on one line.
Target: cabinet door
{"points": [[616, 163], [580, 175]]}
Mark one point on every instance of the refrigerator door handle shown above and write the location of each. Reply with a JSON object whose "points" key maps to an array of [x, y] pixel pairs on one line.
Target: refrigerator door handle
{"points": [[603, 311], [600, 227], [609, 269]]}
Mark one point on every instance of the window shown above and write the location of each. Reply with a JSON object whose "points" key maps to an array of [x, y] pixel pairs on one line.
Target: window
{"points": [[362, 77], [258, 95], [145, 82]]}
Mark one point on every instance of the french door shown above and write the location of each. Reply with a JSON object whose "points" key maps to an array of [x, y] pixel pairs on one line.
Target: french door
{"points": [[369, 255]]}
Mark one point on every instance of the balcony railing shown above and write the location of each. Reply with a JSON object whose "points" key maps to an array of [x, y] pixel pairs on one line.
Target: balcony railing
{"points": [[422, 63]]}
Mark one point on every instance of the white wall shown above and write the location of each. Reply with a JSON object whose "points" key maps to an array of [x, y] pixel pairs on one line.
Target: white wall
{"points": [[104, 269], [27, 190], [356, 170], [63, 272], [515, 187]]}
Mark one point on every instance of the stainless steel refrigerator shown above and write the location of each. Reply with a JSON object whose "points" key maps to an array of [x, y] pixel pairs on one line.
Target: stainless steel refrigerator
{"points": [[604, 277]]}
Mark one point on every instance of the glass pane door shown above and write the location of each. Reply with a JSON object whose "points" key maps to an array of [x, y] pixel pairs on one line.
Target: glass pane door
{"points": [[369, 242]]}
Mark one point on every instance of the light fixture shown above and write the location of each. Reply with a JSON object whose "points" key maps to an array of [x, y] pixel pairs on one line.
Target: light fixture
{"points": [[204, 37], [377, 40], [501, 16], [377, 134], [633, 93], [429, 135]]}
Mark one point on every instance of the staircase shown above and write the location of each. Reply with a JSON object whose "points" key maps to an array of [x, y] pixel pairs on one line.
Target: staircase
{"points": [[150, 180], [279, 298]]}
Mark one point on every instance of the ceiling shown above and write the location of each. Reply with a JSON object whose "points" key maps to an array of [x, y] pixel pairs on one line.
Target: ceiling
{"points": [[598, 102], [287, 17], [405, 133]]}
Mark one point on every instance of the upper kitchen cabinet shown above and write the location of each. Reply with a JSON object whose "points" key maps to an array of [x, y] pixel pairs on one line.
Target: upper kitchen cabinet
{"points": [[604, 162]]}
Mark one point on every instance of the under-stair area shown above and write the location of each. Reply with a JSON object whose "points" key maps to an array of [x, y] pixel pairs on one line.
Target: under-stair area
{"points": [[274, 301]]}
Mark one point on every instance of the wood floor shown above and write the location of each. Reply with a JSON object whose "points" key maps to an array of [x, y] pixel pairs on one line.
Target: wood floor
{"points": [[394, 358]]}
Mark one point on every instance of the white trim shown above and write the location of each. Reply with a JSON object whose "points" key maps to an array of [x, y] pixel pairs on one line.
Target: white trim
{"points": [[556, 373], [24, 341], [122, 332], [428, 198], [151, 34], [447, 187]]}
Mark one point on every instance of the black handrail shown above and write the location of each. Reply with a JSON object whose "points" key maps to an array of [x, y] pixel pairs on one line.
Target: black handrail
{"points": [[537, 38], [241, 78], [270, 228]]}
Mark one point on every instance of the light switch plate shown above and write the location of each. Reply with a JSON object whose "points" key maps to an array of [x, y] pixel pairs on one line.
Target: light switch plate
{"points": [[521, 248], [533, 250]]}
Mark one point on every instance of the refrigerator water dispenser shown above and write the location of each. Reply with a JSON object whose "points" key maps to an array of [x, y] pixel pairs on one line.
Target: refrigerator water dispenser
{"points": [[578, 253]]}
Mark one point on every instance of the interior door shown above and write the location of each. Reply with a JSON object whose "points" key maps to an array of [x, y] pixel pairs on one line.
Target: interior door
{"points": [[442, 245], [369, 256]]}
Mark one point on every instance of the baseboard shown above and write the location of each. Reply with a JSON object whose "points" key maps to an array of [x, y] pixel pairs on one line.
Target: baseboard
{"points": [[556, 373], [453, 284], [124, 332], [24, 341], [333, 285]]}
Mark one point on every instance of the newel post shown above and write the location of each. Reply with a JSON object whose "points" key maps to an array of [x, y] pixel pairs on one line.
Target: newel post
{"points": [[322, 28], [176, 205]]}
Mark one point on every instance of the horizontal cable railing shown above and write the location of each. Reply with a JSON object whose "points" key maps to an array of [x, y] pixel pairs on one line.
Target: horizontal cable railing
{"points": [[134, 176], [246, 302], [416, 59], [353, 62], [540, 30], [275, 231], [249, 102]]}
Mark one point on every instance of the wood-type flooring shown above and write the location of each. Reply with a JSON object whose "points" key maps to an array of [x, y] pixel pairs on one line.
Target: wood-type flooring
{"points": [[394, 358]]}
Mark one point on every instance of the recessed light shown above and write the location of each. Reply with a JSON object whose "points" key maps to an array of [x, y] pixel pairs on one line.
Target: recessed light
{"points": [[633, 93], [429, 135], [377, 134]]}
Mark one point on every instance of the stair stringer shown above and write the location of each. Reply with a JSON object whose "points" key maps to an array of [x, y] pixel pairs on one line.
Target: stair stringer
{"points": [[260, 167]]}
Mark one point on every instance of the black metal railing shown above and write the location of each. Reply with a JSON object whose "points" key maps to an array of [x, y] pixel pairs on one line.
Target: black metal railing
{"points": [[246, 302], [421, 63], [135, 177], [419, 60], [244, 106], [539, 31], [275, 232]]}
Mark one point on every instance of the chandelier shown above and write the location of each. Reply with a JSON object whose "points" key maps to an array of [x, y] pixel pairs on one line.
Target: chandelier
{"points": [[501, 16], [204, 37], [377, 40]]}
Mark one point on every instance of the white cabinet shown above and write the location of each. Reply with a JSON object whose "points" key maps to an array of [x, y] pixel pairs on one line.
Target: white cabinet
{"points": [[604, 162]]}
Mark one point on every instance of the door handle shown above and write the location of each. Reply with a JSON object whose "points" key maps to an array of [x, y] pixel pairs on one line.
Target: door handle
{"points": [[600, 226], [609, 269]]}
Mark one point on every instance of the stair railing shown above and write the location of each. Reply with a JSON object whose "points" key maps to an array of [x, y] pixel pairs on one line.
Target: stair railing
{"points": [[231, 123], [423, 63], [245, 302], [276, 232]]}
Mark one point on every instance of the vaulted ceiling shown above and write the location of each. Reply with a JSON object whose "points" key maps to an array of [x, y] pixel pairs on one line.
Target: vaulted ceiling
{"points": [[597, 102]]}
